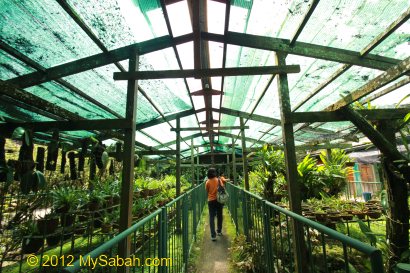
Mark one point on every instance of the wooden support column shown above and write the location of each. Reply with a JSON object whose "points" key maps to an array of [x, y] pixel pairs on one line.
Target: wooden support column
{"points": [[233, 162], [192, 164], [127, 185], [178, 174], [228, 168], [291, 168], [244, 154], [197, 168]]}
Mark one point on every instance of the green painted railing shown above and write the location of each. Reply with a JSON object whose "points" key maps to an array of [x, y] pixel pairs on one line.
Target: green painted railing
{"points": [[160, 242], [269, 231]]}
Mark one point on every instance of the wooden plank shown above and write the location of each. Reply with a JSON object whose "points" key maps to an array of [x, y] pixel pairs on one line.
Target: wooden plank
{"points": [[127, 185], [389, 89], [211, 128], [303, 49], [254, 117], [291, 168], [390, 75], [210, 72], [336, 116], [206, 91], [97, 60], [377, 138], [244, 158]]}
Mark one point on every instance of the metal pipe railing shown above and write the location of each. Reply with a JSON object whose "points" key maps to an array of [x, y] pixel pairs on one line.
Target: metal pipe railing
{"points": [[267, 227], [163, 241]]}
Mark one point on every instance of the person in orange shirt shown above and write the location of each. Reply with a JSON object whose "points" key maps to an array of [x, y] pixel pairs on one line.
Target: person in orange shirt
{"points": [[215, 208]]}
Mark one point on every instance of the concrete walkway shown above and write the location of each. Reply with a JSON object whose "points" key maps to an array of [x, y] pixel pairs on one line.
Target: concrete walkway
{"points": [[215, 254]]}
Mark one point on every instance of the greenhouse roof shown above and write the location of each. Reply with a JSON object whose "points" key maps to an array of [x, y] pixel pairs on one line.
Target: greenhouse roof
{"points": [[58, 58]]}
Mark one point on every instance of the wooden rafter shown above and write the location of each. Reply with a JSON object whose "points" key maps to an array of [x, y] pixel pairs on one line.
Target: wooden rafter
{"points": [[390, 75], [303, 49], [210, 72]]}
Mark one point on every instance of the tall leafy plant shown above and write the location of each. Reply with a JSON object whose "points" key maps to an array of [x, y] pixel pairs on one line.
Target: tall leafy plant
{"points": [[334, 171], [310, 182], [272, 171]]}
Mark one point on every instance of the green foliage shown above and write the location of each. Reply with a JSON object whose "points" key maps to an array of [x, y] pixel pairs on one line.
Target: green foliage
{"points": [[334, 171], [242, 253], [310, 182], [64, 198]]}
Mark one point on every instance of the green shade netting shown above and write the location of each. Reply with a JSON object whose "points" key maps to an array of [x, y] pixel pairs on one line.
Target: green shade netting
{"points": [[350, 25], [10, 67], [123, 22], [397, 45], [145, 139], [44, 32], [67, 99], [161, 132], [268, 18], [348, 82], [19, 114]]}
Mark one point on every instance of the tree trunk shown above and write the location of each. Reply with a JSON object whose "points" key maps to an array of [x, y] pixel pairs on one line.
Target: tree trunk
{"points": [[397, 222]]}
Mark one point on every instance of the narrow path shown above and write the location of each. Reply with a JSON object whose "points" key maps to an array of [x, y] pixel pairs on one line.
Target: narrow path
{"points": [[215, 254]]}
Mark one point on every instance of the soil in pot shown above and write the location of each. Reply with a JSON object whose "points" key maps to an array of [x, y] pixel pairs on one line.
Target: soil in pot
{"points": [[374, 214]]}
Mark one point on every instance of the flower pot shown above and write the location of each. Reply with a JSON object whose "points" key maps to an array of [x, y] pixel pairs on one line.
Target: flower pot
{"points": [[67, 219], [359, 214], [32, 245], [374, 214], [320, 216], [48, 225], [53, 240], [347, 217]]}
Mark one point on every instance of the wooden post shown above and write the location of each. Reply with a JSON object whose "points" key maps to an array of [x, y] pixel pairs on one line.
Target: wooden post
{"points": [[192, 163], [397, 221], [63, 161], [178, 174], [197, 168], [228, 168], [3, 175], [291, 167], [233, 162], [127, 186], [244, 158]]}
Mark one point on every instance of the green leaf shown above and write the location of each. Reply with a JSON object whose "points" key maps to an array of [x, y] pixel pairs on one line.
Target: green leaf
{"points": [[41, 181], [367, 231], [352, 269], [18, 133], [105, 159]]}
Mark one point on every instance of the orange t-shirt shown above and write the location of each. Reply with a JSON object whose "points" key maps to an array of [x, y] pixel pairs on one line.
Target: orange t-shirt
{"points": [[211, 187]]}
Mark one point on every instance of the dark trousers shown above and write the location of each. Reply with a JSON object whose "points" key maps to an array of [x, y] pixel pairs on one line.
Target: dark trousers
{"points": [[215, 209]]}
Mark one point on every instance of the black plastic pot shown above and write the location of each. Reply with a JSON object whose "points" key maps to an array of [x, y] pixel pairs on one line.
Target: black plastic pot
{"points": [[32, 245], [48, 225], [53, 240]]}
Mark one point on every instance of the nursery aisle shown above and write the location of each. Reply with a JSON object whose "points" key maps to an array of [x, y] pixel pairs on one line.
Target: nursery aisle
{"points": [[215, 254]]}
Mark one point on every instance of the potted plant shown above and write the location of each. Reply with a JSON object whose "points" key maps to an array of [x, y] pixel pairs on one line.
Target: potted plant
{"points": [[32, 239], [65, 200]]}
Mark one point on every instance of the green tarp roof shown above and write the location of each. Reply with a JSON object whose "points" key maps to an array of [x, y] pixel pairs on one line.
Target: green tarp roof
{"points": [[42, 34]]}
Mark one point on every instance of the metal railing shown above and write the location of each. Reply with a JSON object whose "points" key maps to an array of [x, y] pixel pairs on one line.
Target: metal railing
{"points": [[160, 242], [268, 229]]}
